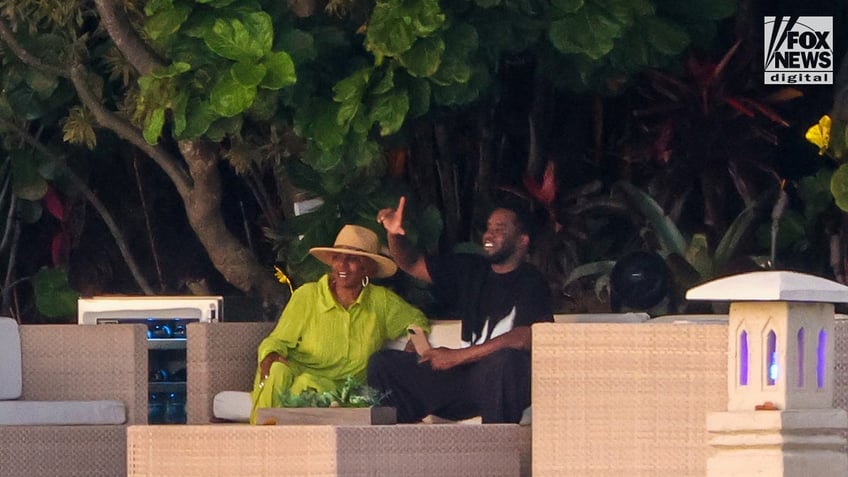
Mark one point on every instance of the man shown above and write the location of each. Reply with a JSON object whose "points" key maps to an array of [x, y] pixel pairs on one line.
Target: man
{"points": [[497, 296]]}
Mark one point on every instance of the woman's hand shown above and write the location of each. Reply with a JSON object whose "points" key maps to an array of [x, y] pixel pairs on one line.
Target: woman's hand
{"points": [[267, 361], [392, 219]]}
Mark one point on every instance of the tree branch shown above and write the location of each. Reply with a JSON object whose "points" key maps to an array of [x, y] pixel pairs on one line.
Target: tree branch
{"points": [[92, 198], [134, 49], [24, 55], [840, 95], [130, 133]]}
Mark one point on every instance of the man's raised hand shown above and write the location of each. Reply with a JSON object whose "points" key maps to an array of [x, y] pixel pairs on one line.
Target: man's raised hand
{"points": [[392, 219]]}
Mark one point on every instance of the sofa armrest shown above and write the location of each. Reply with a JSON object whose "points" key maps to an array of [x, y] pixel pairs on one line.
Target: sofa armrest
{"points": [[219, 357], [87, 362]]}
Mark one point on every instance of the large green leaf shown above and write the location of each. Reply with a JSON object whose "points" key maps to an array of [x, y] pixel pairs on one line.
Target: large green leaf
{"points": [[625, 11], [54, 296], [732, 238], [349, 92], [179, 106], [663, 35], [166, 21], [318, 124], [389, 110], [41, 83], [26, 103], [153, 126], [27, 182], [281, 71], [300, 45], [669, 235], [423, 59], [839, 187], [363, 154], [419, 97], [223, 127], [395, 25], [352, 88], [247, 73], [815, 192], [229, 97], [385, 83], [589, 31], [247, 37], [174, 69], [199, 116], [387, 35]]}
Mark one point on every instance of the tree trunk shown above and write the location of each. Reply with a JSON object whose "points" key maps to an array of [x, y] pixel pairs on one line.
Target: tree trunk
{"points": [[233, 259]]}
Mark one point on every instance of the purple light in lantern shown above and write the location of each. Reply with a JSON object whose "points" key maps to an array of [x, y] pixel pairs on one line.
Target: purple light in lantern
{"points": [[743, 359], [773, 369], [801, 358], [821, 354]]}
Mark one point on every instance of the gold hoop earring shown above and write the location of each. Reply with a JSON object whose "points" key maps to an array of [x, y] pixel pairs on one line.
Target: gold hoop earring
{"points": [[365, 281]]}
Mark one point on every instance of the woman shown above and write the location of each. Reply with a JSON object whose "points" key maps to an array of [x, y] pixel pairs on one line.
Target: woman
{"points": [[331, 327]]}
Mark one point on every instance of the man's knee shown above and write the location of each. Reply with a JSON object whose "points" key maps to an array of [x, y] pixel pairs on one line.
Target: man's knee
{"points": [[508, 359], [381, 359]]}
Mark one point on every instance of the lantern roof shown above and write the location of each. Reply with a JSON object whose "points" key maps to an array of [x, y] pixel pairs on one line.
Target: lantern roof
{"points": [[776, 285]]}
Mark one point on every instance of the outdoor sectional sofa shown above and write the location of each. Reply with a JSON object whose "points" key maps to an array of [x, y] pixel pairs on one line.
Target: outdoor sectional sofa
{"points": [[63, 366], [609, 399], [222, 357]]}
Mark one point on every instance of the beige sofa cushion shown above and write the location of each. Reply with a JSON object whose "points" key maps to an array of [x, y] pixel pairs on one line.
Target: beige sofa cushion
{"points": [[47, 413], [11, 381]]}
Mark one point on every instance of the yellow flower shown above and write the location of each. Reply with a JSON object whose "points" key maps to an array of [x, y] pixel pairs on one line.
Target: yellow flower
{"points": [[282, 278], [819, 134]]}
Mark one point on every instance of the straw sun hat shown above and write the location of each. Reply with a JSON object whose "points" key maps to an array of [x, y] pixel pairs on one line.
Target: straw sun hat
{"points": [[356, 240]]}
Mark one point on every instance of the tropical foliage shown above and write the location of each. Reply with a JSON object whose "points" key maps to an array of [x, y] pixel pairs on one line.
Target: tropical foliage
{"points": [[239, 111]]}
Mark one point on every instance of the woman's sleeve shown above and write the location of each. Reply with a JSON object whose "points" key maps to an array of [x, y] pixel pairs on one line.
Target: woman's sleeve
{"points": [[400, 314], [285, 334]]}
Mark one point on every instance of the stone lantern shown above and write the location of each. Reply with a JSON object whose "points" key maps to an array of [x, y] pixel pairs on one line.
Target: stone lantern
{"points": [[780, 419]]}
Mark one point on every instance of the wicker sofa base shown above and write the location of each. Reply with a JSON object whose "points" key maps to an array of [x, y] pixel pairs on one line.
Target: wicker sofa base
{"points": [[49, 451], [409, 450]]}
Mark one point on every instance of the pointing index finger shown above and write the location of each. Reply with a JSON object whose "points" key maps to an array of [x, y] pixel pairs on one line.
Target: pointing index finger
{"points": [[401, 205]]}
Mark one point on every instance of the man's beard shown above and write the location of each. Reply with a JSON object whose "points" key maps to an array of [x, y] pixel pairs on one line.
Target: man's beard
{"points": [[501, 256]]}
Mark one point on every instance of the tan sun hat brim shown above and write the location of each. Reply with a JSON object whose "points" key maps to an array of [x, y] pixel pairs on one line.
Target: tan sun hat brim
{"points": [[386, 267]]}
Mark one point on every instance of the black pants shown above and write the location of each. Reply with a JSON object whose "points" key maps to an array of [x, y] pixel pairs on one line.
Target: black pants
{"points": [[496, 388]]}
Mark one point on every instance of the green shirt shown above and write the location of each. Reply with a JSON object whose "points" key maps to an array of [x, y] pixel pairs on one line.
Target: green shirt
{"points": [[327, 340]]}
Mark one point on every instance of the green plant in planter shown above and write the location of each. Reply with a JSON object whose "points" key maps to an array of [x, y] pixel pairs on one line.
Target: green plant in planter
{"points": [[352, 393]]}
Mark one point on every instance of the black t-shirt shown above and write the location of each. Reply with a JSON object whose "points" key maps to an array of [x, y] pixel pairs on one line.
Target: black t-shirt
{"points": [[489, 303]]}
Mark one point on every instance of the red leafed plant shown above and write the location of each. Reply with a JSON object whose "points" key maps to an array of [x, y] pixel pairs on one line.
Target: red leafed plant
{"points": [[711, 132], [60, 244]]}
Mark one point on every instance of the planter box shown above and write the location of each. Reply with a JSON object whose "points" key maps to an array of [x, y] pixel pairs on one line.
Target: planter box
{"points": [[338, 416]]}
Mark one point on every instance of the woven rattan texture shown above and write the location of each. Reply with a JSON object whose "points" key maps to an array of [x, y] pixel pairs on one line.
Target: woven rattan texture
{"points": [[87, 362], [428, 450], [219, 357], [76, 362], [243, 450], [625, 399], [52, 451], [840, 376]]}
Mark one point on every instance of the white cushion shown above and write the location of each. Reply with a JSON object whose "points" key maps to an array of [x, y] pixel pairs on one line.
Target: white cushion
{"points": [[685, 319], [11, 381], [601, 318], [46, 413], [232, 406], [444, 333]]}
